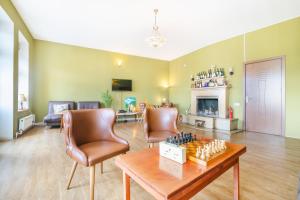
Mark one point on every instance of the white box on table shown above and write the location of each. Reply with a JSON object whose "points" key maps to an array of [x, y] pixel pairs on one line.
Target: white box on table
{"points": [[172, 152]]}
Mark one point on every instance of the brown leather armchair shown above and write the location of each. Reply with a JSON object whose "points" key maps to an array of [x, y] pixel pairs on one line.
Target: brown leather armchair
{"points": [[159, 124], [90, 140]]}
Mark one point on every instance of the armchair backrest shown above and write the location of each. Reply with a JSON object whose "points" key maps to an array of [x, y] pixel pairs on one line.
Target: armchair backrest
{"points": [[161, 119], [86, 126], [71, 105], [88, 105]]}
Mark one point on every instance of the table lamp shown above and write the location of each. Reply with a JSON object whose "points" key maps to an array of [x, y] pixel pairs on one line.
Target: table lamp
{"points": [[21, 99]]}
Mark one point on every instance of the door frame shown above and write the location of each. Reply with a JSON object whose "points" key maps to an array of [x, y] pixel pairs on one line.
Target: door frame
{"points": [[283, 89]]}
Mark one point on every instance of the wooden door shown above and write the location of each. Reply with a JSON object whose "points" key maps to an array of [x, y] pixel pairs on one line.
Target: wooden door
{"points": [[264, 96]]}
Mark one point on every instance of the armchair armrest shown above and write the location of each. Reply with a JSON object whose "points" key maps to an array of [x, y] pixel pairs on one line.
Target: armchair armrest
{"points": [[74, 152], [118, 139], [72, 149]]}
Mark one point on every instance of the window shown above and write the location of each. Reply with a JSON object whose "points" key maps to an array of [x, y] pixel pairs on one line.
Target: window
{"points": [[23, 87], [6, 76]]}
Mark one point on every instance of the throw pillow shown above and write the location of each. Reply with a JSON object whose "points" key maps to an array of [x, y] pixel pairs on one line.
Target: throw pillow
{"points": [[60, 108]]}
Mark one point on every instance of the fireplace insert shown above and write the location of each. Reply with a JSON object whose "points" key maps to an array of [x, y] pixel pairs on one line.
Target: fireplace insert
{"points": [[207, 106]]}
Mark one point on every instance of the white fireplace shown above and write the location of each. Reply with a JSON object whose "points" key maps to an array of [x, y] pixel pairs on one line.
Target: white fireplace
{"points": [[210, 102]]}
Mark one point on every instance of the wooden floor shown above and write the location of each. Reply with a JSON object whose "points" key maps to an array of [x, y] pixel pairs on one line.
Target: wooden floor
{"points": [[35, 166]]}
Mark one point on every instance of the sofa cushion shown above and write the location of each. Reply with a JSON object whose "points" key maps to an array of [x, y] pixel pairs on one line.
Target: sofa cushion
{"points": [[102, 150], [60, 108], [71, 105], [52, 118]]}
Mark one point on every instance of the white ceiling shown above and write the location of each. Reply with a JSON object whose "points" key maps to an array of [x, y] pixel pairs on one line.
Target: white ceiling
{"points": [[122, 25]]}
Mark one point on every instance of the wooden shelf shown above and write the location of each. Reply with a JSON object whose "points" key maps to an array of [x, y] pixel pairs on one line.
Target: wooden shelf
{"points": [[215, 87], [207, 79]]}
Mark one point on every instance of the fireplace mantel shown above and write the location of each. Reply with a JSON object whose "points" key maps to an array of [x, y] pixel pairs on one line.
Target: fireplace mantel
{"points": [[221, 92], [211, 88]]}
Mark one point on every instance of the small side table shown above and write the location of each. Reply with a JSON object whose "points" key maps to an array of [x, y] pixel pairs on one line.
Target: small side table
{"points": [[125, 114]]}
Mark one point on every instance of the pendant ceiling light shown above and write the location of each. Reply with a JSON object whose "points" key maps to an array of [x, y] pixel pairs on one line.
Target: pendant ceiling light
{"points": [[156, 40]]}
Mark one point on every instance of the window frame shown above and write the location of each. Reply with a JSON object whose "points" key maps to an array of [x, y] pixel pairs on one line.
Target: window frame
{"points": [[23, 71]]}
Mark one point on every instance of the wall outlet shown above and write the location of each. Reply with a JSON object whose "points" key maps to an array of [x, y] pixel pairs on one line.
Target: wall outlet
{"points": [[236, 104]]}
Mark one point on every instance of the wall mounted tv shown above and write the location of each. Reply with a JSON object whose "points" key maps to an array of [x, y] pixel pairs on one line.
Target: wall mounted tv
{"points": [[121, 85]]}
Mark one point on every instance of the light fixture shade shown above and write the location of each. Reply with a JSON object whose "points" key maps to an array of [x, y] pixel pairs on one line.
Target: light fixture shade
{"points": [[22, 98], [156, 40]]}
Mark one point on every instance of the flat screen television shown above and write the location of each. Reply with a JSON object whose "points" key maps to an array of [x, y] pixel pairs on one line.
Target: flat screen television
{"points": [[121, 85]]}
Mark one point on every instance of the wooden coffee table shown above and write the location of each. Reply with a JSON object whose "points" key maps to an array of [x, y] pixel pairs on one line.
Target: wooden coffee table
{"points": [[166, 179]]}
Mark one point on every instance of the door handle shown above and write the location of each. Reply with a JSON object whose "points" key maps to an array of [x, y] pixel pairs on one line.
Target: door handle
{"points": [[247, 99]]}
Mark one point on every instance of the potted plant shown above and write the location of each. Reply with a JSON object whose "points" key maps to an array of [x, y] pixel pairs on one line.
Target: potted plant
{"points": [[107, 99]]}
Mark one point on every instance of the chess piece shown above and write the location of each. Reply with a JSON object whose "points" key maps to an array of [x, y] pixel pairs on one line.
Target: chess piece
{"points": [[184, 139], [213, 150], [202, 157], [207, 154], [217, 146], [198, 152], [209, 149], [224, 144], [169, 139], [220, 145]]}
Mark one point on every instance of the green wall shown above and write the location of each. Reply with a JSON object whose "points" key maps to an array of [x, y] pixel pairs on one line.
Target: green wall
{"points": [[19, 25], [64, 72], [277, 40], [223, 54]]}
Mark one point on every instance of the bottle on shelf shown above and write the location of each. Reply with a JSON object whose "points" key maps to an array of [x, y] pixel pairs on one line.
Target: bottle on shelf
{"points": [[222, 72], [214, 73]]}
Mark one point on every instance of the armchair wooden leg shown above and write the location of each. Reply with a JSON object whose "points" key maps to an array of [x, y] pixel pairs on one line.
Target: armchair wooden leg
{"points": [[92, 181], [101, 167], [151, 145], [72, 174]]}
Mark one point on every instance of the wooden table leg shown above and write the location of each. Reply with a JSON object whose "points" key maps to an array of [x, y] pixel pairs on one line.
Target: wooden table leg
{"points": [[236, 180], [126, 186]]}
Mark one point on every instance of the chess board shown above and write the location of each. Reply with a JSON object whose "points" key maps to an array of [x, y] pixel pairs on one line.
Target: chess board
{"points": [[191, 148]]}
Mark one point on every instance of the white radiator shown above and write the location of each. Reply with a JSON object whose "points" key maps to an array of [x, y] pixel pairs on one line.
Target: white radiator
{"points": [[25, 123]]}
